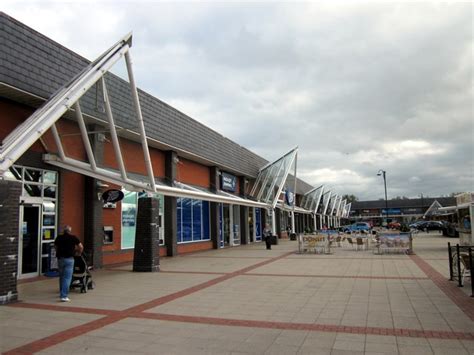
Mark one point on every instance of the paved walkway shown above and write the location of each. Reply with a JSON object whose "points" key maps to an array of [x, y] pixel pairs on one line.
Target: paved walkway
{"points": [[248, 300]]}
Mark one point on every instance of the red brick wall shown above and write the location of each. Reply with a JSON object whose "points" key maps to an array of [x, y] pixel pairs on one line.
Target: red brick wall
{"points": [[11, 115], [133, 158], [189, 172], [113, 217], [125, 257], [71, 206], [192, 247]]}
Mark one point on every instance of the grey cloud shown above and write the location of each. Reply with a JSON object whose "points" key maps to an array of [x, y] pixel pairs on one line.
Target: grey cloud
{"points": [[336, 80]]}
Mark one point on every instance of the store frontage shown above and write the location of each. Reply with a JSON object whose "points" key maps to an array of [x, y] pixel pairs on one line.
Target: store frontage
{"points": [[37, 210]]}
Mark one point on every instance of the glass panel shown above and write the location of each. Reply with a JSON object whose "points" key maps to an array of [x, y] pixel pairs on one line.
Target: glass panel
{"points": [[205, 221], [50, 177], [236, 225], [221, 227], [49, 234], [179, 219], [226, 224], [269, 182], [30, 230], [258, 225], [129, 214], [197, 219], [32, 190], [273, 178], [250, 223], [33, 175], [49, 220], [187, 220], [49, 206], [50, 191]]}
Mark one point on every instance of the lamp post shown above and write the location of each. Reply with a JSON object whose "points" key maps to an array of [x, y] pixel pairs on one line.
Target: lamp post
{"points": [[382, 173], [422, 214]]}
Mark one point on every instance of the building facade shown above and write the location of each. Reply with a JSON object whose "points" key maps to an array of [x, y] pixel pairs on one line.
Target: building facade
{"points": [[404, 210], [39, 194]]}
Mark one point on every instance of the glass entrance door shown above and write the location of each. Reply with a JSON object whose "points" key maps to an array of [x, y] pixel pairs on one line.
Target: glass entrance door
{"points": [[250, 223], [226, 223], [29, 241]]}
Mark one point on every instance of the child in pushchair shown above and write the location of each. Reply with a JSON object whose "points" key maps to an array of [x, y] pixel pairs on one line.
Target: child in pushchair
{"points": [[82, 277]]}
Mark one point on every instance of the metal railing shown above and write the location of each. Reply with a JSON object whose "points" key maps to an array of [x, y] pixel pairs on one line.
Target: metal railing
{"points": [[461, 264]]}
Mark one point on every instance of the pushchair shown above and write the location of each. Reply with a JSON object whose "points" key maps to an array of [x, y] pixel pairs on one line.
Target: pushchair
{"points": [[82, 277]]}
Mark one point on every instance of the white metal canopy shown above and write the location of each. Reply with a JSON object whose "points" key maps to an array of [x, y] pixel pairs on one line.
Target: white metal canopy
{"points": [[67, 98], [272, 177], [312, 199]]}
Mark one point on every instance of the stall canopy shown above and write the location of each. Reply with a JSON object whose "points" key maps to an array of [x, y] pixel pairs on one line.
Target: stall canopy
{"points": [[67, 98], [272, 177]]}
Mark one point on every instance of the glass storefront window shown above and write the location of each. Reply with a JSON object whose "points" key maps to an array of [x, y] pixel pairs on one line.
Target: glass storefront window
{"points": [[129, 217], [49, 206], [32, 190], [50, 177], [50, 191], [49, 220], [49, 233], [192, 220]]}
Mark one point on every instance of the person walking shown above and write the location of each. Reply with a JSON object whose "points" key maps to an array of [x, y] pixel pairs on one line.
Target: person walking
{"points": [[267, 235], [67, 245]]}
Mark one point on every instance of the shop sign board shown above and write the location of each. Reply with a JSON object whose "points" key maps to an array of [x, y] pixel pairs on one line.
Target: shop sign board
{"points": [[112, 196], [289, 197], [391, 211], [228, 182]]}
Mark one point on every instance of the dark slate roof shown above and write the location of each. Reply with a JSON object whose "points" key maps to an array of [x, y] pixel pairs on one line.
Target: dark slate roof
{"points": [[411, 203], [31, 62]]}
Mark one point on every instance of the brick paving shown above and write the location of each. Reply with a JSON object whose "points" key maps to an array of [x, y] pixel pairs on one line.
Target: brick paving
{"points": [[248, 300]]}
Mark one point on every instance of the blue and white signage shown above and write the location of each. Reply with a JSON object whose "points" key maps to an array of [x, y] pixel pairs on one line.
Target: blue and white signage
{"points": [[289, 197], [228, 182], [391, 211]]}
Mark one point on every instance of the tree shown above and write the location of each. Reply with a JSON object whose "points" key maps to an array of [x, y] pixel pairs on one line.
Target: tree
{"points": [[350, 198]]}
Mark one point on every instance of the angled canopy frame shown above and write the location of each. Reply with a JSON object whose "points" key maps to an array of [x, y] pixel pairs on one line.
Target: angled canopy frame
{"points": [[67, 98], [312, 199], [272, 177]]}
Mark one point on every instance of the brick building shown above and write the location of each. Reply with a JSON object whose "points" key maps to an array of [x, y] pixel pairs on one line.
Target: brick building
{"points": [[209, 192]]}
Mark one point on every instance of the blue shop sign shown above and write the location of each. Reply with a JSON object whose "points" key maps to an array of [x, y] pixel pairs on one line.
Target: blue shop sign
{"points": [[289, 197], [391, 211], [228, 182]]}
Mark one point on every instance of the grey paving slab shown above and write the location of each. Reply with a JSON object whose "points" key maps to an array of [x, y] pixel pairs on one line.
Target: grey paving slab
{"points": [[285, 291], [21, 326], [115, 290]]}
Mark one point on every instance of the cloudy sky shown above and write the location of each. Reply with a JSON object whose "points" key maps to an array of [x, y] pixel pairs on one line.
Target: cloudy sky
{"points": [[357, 87]]}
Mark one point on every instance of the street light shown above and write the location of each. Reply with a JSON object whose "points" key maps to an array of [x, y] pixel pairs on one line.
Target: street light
{"points": [[382, 173], [422, 214]]}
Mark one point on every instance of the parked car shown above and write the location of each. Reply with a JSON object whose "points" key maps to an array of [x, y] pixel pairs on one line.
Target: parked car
{"points": [[428, 225], [394, 225], [415, 224], [449, 230], [357, 227]]}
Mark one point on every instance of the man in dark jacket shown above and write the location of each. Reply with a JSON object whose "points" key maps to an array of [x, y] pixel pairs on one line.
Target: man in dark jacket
{"points": [[267, 235], [67, 245]]}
